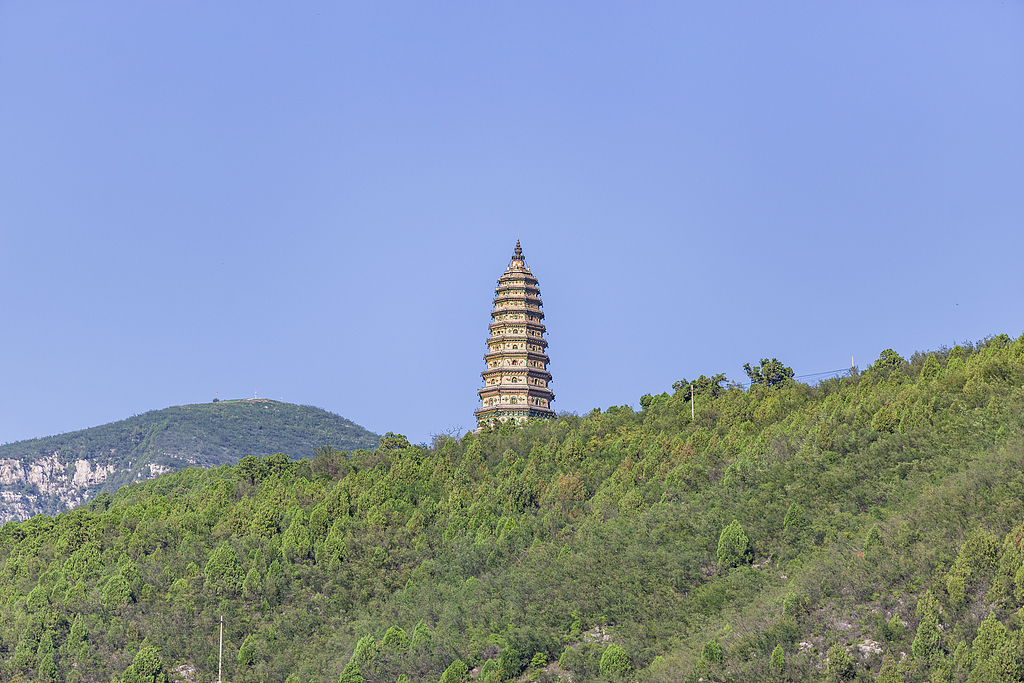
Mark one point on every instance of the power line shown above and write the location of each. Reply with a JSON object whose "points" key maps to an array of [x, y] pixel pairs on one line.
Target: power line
{"points": [[841, 371]]}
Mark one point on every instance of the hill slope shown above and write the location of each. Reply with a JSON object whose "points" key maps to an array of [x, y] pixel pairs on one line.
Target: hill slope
{"points": [[57, 472], [866, 528]]}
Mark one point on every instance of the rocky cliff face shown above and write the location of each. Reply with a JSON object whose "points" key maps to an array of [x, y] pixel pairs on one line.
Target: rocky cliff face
{"points": [[31, 487]]}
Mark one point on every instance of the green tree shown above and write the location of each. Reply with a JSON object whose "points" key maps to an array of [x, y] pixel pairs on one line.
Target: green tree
{"points": [[45, 645], [247, 653], [365, 652], [78, 633], [421, 638], [873, 538], [266, 519], [251, 587], [38, 599], [223, 572], [584, 660], [572, 449], [145, 667], [796, 517], [395, 639], [888, 359], [116, 593], [889, 672], [393, 442], [614, 661], [771, 373], [351, 673], [489, 672], [251, 469], [894, 630], [778, 660], [47, 669], [319, 522], [509, 663], [458, 672], [278, 463], [931, 367], [996, 653], [733, 547], [25, 655], [297, 542], [702, 386], [926, 641], [646, 401]]}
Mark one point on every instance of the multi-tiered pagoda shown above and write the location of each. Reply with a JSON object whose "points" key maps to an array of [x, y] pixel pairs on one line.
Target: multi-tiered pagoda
{"points": [[516, 379]]}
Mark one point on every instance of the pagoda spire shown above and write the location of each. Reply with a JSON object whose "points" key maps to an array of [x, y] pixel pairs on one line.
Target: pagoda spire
{"points": [[516, 380], [517, 255]]}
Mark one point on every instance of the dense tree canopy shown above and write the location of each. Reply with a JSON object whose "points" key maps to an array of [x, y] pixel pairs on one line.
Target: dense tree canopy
{"points": [[870, 525]]}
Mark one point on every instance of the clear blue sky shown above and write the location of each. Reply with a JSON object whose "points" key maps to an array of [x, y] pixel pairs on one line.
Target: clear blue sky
{"points": [[314, 200]]}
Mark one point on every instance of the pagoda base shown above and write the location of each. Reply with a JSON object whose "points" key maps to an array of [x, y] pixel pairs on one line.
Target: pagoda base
{"points": [[491, 416]]}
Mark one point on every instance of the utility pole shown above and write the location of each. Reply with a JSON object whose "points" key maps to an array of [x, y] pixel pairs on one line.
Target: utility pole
{"points": [[220, 658], [691, 401]]}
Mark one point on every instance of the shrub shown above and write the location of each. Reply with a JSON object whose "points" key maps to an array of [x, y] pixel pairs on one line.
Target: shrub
{"points": [[874, 538], [840, 664], [712, 653], [614, 661]]}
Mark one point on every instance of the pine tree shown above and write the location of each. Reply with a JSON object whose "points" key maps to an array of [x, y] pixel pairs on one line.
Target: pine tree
{"points": [[733, 547], [145, 667], [458, 672], [889, 672]]}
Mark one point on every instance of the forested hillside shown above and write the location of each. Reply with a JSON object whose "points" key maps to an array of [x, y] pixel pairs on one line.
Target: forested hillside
{"points": [[870, 527], [56, 473]]}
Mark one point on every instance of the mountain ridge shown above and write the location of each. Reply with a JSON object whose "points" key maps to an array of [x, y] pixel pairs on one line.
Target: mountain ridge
{"points": [[55, 473]]}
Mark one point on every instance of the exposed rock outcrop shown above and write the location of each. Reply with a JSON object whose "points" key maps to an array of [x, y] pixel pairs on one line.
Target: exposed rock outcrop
{"points": [[27, 485]]}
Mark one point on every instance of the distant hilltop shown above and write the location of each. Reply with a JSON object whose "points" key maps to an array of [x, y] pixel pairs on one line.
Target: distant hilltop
{"points": [[55, 473]]}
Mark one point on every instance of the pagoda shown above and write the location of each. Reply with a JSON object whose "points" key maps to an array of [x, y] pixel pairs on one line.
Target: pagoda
{"points": [[516, 379]]}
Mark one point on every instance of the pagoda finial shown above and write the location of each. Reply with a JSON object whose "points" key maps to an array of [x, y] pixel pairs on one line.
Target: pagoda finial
{"points": [[519, 252]]}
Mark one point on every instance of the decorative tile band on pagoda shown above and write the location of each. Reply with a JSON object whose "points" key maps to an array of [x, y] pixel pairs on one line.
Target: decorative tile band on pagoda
{"points": [[516, 381]]}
